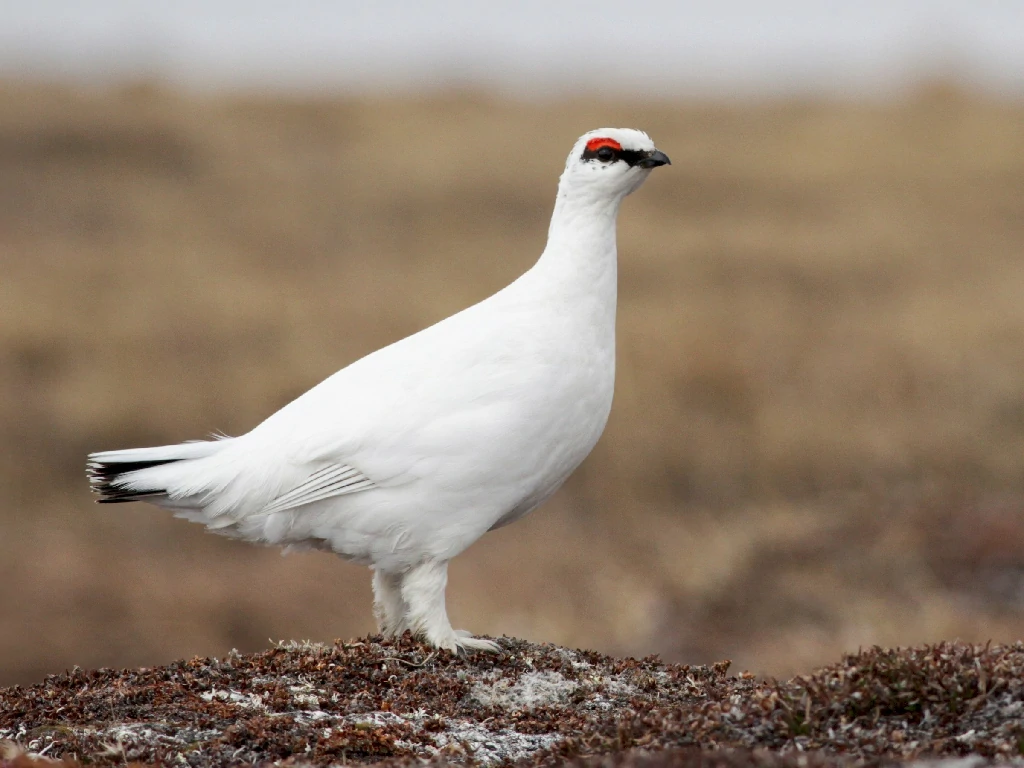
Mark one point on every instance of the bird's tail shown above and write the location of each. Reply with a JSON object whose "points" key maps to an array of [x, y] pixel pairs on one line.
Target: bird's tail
{"points": [[140, 474]]}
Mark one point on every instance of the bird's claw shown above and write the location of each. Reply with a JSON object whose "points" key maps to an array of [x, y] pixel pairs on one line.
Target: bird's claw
{"points": [[466, 643]]}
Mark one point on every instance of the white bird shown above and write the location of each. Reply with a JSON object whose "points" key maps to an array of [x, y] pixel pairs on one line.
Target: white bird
{"points": [[407, 456]]}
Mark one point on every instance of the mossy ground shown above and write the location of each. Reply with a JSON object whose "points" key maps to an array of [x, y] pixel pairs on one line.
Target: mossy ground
{"points": [[399, 703]]}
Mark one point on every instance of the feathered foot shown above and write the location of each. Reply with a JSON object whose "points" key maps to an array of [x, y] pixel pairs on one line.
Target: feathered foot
{"points": [[422, 593]]}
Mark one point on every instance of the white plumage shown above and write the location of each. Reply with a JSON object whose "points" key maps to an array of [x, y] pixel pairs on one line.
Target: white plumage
{"points": [[409, 455]]}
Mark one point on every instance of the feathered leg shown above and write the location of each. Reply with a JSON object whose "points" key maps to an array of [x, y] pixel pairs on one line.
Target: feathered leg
{"points": [[423, 594], [388, 606]]}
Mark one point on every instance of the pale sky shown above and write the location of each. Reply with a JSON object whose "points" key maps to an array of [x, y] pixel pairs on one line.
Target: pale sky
{"points": [[727, 47]]}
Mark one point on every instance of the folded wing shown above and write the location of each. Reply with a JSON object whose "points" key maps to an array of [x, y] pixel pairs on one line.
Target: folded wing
{"points": [[324, 483]]}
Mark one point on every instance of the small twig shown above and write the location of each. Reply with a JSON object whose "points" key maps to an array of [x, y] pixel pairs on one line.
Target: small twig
{"points": [[409, 663], [42, 752]]}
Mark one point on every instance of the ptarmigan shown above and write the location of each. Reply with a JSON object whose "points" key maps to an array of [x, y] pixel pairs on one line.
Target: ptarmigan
{"points": [[406, 457]]}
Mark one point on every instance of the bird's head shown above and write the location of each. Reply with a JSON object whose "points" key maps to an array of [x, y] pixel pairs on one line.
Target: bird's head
{"points": [[612, 161]]}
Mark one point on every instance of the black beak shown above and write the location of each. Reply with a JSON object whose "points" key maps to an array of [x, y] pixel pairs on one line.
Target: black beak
{"points": [[653, 160]]}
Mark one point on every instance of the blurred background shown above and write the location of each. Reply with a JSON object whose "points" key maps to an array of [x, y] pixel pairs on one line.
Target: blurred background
{"points": [[817, 442]]}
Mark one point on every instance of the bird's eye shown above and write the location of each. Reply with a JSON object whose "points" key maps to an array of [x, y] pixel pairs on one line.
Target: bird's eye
{"points": [[605, 154]]}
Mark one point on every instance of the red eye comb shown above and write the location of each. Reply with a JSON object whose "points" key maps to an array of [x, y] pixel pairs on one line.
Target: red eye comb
{"points": [[595, 144]]}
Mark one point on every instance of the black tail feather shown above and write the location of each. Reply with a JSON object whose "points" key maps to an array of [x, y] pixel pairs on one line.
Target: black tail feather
{"points": [[133, 496], [103, 477]]}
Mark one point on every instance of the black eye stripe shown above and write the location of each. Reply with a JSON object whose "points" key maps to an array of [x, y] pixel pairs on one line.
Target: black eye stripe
{"points": [[633, 156], [630, 156]]}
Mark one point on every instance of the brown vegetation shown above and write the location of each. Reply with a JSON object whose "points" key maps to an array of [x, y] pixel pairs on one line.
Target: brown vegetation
{"points": [[818, 435], [374, 701]]}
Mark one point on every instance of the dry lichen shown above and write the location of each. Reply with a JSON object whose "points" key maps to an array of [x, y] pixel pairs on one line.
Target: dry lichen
{"points": [[400, 702]]}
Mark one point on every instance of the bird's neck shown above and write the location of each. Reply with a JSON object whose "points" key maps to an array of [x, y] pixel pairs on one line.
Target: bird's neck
{"points": [[580, 257]]}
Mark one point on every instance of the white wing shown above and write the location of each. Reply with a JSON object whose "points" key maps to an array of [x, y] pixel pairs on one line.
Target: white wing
{"points": [[332, 480]]}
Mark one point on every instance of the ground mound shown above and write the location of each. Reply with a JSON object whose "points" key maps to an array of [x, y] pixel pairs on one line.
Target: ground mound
{"points": [[401, 702]]}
